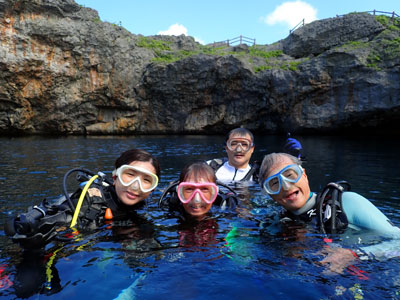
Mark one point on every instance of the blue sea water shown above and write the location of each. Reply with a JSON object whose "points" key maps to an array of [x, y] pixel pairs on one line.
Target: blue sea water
{"points": [[234, 255]]}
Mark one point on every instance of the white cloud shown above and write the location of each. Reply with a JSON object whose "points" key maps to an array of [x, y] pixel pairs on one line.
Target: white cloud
{"points": [[199, 40], [292, 13], [178, 29]]}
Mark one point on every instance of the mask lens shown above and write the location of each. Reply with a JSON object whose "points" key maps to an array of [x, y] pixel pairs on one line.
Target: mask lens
{"points": [[292, 174], [129, 175], [272, 185], [207, 191], [234, 144]]}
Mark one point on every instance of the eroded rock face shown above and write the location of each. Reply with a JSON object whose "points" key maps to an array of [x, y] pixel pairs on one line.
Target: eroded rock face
{"points": [[64, 71], [322, 35]]}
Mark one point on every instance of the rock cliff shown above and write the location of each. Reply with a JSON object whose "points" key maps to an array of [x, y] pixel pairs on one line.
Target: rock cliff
{"points": [[63, 71]]}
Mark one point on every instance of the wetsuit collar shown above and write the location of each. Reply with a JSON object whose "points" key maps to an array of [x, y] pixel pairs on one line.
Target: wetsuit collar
{"points": [[310, 203], [117, 206]]}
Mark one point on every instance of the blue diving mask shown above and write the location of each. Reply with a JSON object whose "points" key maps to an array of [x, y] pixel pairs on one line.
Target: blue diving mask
{"points": [[283, 179]]}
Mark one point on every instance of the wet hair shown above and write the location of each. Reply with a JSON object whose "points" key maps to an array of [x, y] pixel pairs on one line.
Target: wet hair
{"points": [[198, 170], [240, 132], [137, 155], [271, 159]]}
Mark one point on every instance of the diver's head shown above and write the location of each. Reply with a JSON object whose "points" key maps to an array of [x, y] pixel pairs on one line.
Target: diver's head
{"points": [[133, 155], [197, 189], [239, 146], [283, 178], [135, 176]]}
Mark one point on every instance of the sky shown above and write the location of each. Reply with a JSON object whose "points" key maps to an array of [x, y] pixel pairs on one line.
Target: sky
{"points": [[208, 21]]}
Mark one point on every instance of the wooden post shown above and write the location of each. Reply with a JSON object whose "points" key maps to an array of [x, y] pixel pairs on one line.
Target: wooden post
{"points": [[240, 40]]}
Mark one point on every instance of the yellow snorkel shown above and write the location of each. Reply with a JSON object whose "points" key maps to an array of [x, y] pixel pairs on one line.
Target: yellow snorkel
{"points": [[80, 201]]}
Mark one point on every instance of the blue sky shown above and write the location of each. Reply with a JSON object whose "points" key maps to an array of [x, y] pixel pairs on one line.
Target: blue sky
{"points": [[207, 21]]}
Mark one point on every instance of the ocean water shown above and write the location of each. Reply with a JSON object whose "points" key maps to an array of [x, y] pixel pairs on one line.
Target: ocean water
{"points": [[233, 255]]}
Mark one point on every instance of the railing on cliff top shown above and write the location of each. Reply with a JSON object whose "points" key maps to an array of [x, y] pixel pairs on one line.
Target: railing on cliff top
{"points": [[249, 41], [237, 40], [297, 26], [374, 12]]}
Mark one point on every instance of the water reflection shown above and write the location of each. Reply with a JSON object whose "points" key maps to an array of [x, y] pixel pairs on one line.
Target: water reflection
{"points": [[164, 257]]}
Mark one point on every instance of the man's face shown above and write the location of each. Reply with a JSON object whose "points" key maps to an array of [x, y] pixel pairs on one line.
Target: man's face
{"points": [[239, 149], [295, 196]]}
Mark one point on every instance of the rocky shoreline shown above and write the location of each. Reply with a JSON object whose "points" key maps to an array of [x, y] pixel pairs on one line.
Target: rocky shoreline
{"points": [[63, 72]]}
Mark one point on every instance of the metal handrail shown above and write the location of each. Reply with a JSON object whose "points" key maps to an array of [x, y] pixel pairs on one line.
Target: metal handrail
{"points": [[297, 26], [394, 15], [302, 23], [240, 39]]}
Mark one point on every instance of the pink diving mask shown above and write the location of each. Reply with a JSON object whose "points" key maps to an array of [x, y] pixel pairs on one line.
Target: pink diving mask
{"points": [[208, 191]]}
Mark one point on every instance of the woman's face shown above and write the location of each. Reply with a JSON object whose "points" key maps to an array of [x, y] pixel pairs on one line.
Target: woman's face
{"points": [[197, 207], [130, 195], [296, 196]]}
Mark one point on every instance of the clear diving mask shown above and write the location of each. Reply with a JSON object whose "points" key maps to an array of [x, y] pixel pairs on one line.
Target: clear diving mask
{"points": [[239, 144], [136, 178]]}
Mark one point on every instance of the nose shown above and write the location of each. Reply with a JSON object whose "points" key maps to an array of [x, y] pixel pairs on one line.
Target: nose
{"points": [[135, 185], [197, 198], [286, 185], [239, 148]]}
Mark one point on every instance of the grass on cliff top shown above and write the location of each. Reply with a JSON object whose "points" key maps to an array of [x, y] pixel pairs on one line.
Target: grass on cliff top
{"points": [[257, 56], [389, 22], [282, 65], [387, 46], [153, 44], [384, 47], [259, 52], [389, 51]]}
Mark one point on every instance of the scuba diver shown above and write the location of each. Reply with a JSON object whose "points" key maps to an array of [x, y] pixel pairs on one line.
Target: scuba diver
{"points": [[191, 199], [196, 192], [283, 178], [239, 147], [135, 176], [332, 211]]}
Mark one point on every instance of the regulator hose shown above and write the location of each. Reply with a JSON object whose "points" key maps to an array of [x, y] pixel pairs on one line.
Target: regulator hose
{"points": [[69, 201]]}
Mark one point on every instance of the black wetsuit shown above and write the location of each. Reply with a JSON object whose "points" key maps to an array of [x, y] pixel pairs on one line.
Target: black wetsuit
{"points": [[311, 213], [37, 227]]}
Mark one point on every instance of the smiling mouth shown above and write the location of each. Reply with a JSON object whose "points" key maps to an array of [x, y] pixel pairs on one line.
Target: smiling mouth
{"points": [[292, 196], [132, 195], [196, 207]]}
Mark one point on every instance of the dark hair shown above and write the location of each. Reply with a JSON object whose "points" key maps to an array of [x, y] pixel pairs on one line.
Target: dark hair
{"points": [[137, 155], [198, 169], [241, 132]]}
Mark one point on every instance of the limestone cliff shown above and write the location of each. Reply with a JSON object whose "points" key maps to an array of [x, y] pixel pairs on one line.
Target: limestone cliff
{"points": [[63, 71]]}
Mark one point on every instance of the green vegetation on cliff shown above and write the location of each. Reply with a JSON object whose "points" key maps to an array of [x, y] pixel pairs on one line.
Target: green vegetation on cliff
{"points": [[384, 47], [256, 56]]}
